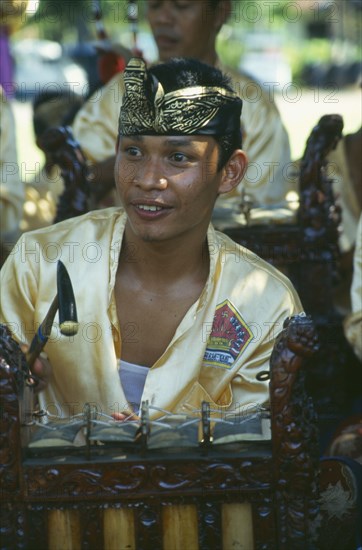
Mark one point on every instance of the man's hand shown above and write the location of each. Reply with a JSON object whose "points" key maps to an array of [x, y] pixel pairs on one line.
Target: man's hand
{"points": [[41, 370], [120, 417]]}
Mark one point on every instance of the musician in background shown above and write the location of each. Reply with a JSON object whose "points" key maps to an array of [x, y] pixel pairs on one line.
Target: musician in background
{"points": [[50, 109], [112, 59], [170, 310], [189, 29]]}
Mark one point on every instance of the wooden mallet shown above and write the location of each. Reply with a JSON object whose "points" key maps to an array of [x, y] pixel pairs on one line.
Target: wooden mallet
{"points": [[64, 301]]}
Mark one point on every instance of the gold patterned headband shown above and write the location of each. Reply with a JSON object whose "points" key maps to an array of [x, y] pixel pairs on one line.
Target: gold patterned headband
{"points": [[193, 110]]}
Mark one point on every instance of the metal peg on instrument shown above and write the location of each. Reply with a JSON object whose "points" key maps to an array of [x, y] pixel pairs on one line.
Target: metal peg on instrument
{"points": [[205, 424]]}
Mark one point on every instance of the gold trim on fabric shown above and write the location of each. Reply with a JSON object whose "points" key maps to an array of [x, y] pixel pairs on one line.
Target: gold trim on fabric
{"points": [[182, 111]]}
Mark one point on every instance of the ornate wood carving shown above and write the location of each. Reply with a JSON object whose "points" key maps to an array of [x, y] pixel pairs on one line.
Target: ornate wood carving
{"points": [[319, 217], [166, 477], [91, 527], [278, 479], [210, 528], [12, 369], [149, 526], [65, 151], [308, 253], [318, 214], [36, 528], [265, 515], [295, 434]]}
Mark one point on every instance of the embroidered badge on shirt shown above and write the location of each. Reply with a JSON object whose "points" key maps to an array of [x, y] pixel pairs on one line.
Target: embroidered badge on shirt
{"points": [[228, 338]]}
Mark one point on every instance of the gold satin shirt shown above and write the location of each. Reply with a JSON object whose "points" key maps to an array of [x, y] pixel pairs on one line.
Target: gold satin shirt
{"points": [[224, 340], [345, 195], [353, 321]]}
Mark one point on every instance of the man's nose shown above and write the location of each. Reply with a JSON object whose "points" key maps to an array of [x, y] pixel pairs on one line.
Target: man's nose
{"points": [[164, 14], [151, 176]]}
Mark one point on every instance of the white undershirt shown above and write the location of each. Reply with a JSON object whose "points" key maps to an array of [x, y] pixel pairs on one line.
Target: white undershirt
{"points": [[133, 378]]}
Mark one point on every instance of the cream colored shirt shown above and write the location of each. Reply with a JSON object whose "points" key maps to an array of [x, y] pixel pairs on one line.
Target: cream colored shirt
{"points": [[353, 322], [266, 143], [41, 199], [345, 195], [223, 341], [265, 139], [11, 186], [12, 14]]}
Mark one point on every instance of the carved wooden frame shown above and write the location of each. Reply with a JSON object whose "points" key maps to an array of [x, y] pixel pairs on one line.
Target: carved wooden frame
{"points": [[278, 478]]}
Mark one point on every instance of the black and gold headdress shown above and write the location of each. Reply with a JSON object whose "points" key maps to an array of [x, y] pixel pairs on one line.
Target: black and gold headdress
{"points": [[197, 110]]}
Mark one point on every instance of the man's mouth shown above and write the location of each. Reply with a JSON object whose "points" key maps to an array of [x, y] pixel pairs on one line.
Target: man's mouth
{"points": [[149, 208], [165, 41], [150, 211]]}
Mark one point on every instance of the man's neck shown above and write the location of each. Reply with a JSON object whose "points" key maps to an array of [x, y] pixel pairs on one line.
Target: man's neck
{"points": [[166, 261], [156, 285], [210, 58]]}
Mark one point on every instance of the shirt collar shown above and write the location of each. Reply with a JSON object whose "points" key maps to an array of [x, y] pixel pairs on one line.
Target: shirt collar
{"points": [[213, 258], [116, 243]]}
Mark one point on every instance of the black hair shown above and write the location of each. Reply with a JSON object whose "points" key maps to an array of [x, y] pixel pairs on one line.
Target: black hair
{"points": [[214, 3], [184, 72], [62, 106]]}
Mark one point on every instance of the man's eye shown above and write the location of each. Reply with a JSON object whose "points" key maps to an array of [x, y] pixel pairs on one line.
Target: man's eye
{"points": [[179, 4], [183, 4], [179, 157], [154, 4], [133, 151]]}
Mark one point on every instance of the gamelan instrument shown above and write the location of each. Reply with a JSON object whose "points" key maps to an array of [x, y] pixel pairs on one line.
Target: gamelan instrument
{"points": [[201, 481]]}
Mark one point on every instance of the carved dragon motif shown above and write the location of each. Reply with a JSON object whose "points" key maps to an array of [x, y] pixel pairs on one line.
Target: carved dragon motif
{"points": [[318, 214], [280, 485], [294, 429], [60, 145]]}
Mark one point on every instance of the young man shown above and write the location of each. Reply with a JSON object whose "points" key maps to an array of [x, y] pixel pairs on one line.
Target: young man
{"points": [[170, 310], [189, 28]]}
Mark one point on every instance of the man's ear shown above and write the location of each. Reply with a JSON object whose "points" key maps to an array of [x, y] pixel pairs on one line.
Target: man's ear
{"points": [[233, 172], [222, 14]]}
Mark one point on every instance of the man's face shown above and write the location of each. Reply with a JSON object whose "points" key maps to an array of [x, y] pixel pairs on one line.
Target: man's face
{"points": [[167, 184], [184, 28]]}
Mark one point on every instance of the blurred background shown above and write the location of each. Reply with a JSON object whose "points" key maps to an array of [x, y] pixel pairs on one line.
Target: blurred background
{"points": [[307, 53]]}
